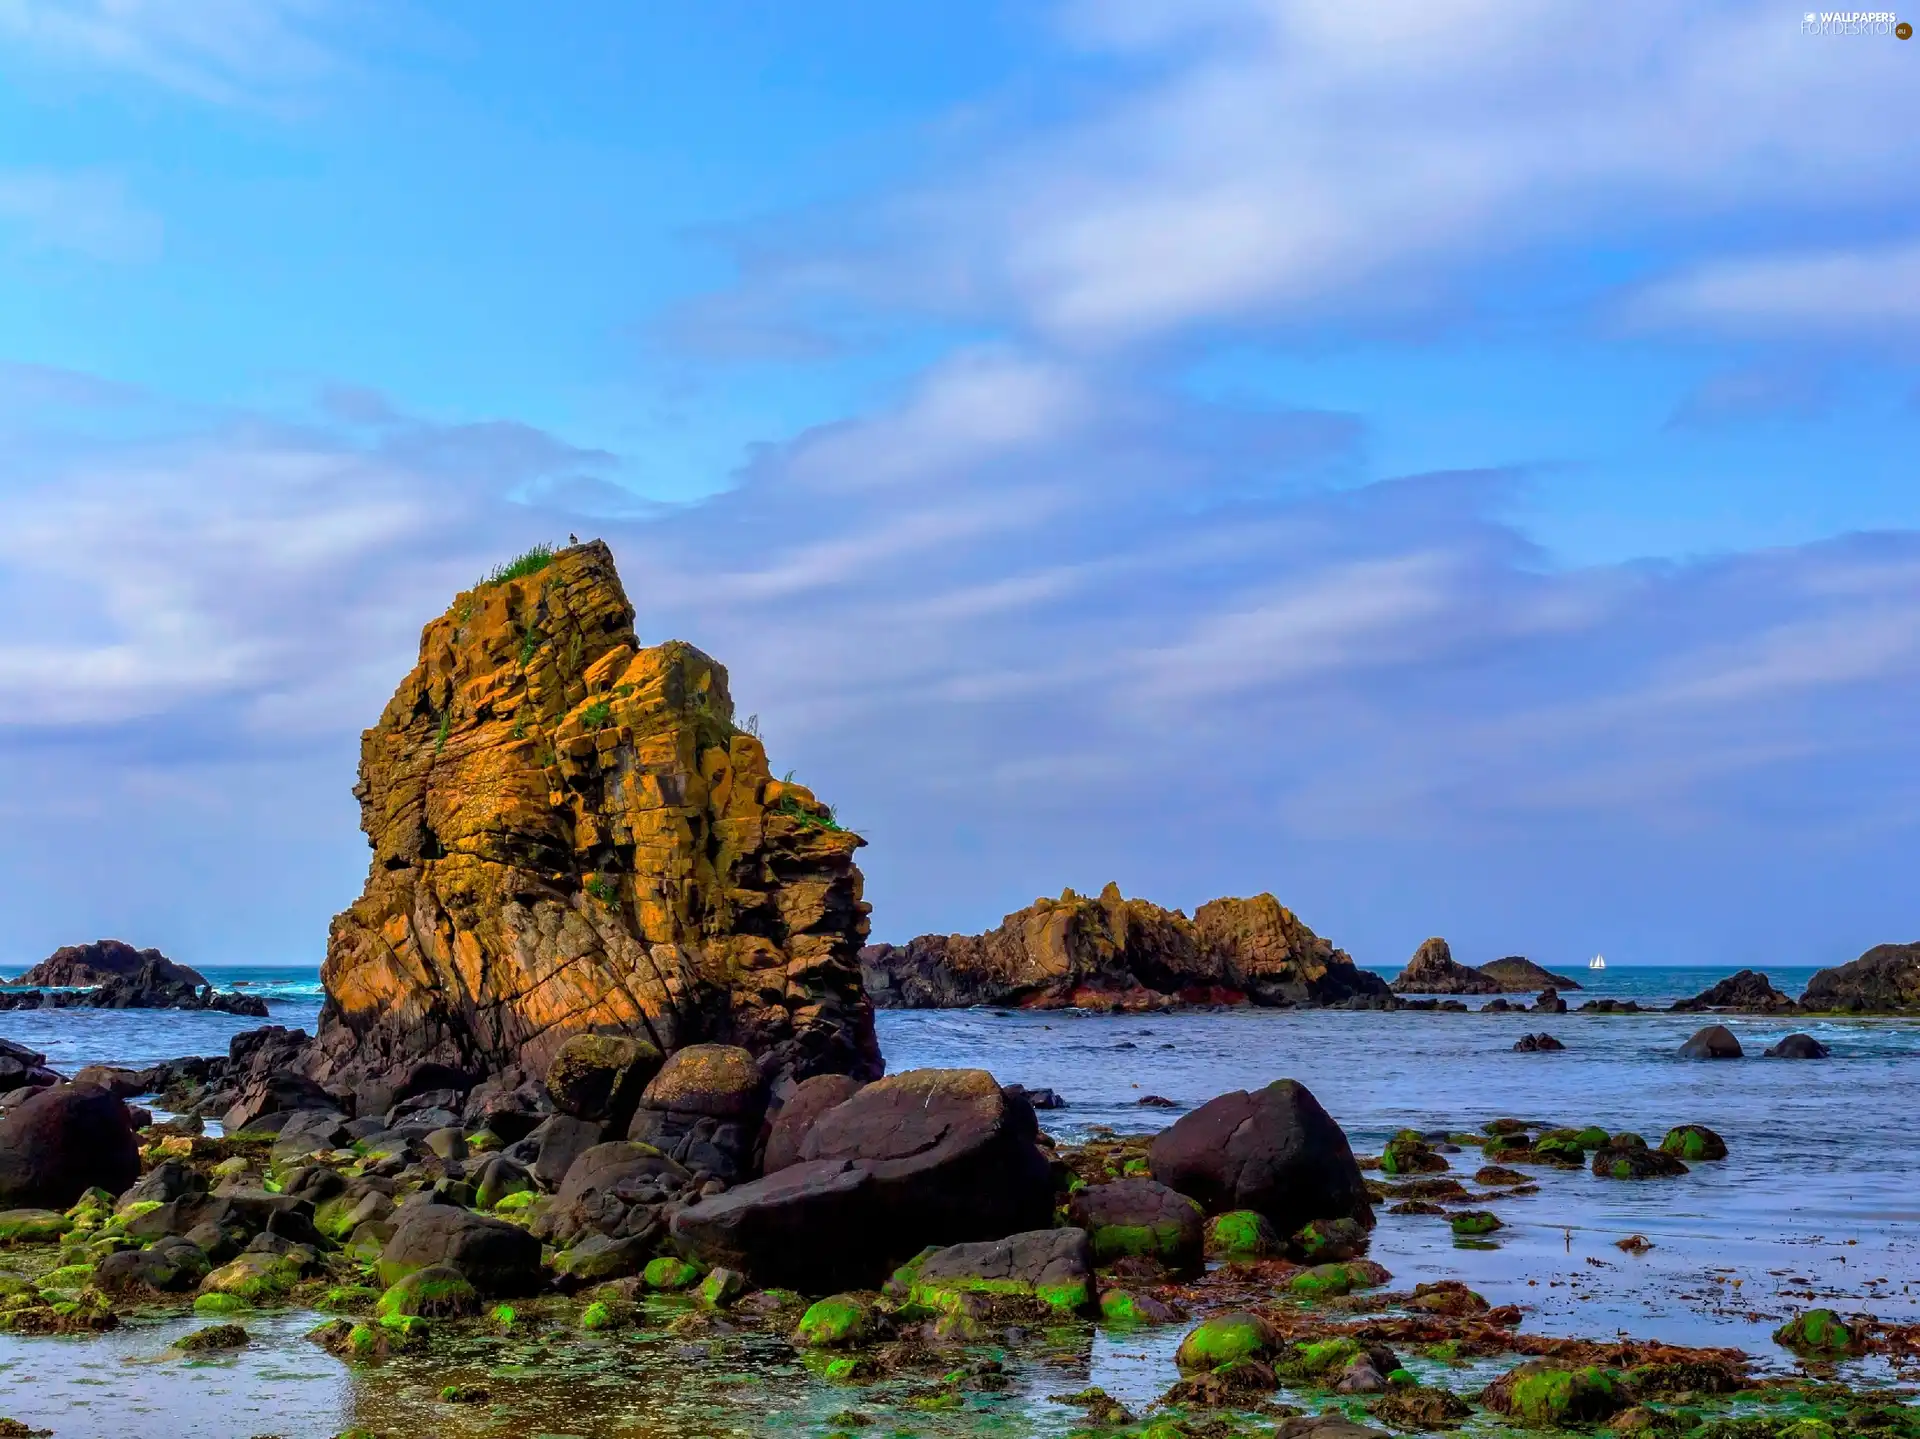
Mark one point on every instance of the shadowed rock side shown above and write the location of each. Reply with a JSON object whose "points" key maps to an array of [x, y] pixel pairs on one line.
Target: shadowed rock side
{"points": [[1748, 991], [569, 834], [1884, 980], [1118, 953], [1516, 974], [103, 960], [1433, 970]]}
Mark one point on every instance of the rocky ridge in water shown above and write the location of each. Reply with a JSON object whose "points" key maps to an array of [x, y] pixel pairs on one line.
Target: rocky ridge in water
{"points": [[570, 834], [1114, 953], [79, 965]]}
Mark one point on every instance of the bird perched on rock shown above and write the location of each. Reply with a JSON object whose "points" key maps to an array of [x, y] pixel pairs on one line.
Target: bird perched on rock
{"points": [[573, 539]]}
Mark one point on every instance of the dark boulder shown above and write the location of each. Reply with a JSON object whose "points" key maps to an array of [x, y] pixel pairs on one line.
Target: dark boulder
{"points": [[550, 1150], [64, 1140], [1433, 970], [926, 1157], [1748, 992], [601, 1076], [21, 1068], [704, 1108], [169, 1179], [1884, 980], [172, 1264], [1537, 1044], [1716, 1041], [1141, 1217], [1798, 1046], [279, 1092], [810, 1099], [1051, 1266], [496, 1258], [1274, 1150], [1549, 1002], [606, 1183]]}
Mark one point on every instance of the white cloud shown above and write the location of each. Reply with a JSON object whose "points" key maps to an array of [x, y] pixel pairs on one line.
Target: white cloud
{"points": [[1871, 289]]}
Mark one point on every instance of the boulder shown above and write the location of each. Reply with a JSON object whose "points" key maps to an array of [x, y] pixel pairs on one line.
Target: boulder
{"points": [[1749, 991], [1537, 1044], [1518, 975], [1549, 1002], [19, 1067], [606, 1182], [1274, 1150], [1141, 1217], [1626, 1156], [1114, 953], [600, 1076], [172, 1264], [1695, 1142], [497, 1258], [121, 1083], [1884, 980], [926, 1157], [280, 1092], [550, 1151], [704, 1108], [810, 1099], [571, 835], [1051, 1266], [78, 965], [169, 1179], [1433, 970], [1798, 1046], [1716, 1041], [63, 1141]]}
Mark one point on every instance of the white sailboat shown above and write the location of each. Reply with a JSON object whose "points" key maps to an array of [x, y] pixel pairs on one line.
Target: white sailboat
{"points": [[1599, 961]]}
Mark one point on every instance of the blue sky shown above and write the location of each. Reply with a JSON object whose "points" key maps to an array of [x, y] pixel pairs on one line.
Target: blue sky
{"points": [[1449, 465]]}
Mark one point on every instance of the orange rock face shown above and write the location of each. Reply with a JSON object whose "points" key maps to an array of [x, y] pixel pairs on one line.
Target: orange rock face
{"points": [[570, 834], [1125, 954]]}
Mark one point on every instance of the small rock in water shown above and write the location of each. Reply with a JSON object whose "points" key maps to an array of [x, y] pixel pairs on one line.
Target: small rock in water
{"points": [[1537, 1043], [1634, 1244], [1156, 1101], [1798, 1046], [1716, 1041]]}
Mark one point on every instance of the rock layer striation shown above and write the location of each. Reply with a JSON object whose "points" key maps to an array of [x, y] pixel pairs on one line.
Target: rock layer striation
{"points": [[570, 834]]}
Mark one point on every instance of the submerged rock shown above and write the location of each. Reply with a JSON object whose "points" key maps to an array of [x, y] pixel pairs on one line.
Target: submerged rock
{"points": [[1626, 1156], [1798, 1046], [1275, 1151], [1112, 952], [1694, 1141], [1537, 1044], [1716, 1041], [571, 835]]}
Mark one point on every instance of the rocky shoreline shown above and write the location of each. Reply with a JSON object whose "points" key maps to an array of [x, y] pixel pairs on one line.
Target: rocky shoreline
{"points": [[597, 1062]]}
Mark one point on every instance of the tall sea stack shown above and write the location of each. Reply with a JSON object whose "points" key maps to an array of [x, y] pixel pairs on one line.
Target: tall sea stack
{"points": [[570, 834]]}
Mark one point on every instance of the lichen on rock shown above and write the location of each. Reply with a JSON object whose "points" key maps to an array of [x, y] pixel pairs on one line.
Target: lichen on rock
{"points": [[570, 835]]}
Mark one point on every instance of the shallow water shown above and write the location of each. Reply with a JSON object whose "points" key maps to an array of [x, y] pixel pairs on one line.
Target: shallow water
{"points": [[1815, 1203]]}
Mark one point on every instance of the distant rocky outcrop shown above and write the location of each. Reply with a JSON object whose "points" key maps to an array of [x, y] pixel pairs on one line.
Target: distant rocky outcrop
{"points": [[1749, 992], [153, 986], [1884, 980], [1517, 974], [570, 834], [105, 959], [1115, 953], [1434, 970]]}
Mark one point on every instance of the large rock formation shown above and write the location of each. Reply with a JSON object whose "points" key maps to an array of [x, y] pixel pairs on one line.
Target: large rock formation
{"points": [[1748, 991], [1117, 953], [1884, 980], [105, 959], [1516, 974], [571, 835]]}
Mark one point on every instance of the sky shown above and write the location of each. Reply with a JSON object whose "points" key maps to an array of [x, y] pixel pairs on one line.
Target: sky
{"points": [[1451, 464]]}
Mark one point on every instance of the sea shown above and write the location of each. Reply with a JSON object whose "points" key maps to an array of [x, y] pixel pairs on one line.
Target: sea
{"points": [[1816, 1202]]}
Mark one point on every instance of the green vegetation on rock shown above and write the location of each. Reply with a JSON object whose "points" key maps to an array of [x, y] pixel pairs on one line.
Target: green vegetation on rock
{"points": [[435, 1292], [836, 1320], [670, 1273], [1817, 1331], [1225, 1338], [1241, 1234]]}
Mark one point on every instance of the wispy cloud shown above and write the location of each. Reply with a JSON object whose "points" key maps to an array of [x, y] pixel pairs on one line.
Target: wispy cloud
{"points": [[1856, 290], [226, 51], [90, 214]]}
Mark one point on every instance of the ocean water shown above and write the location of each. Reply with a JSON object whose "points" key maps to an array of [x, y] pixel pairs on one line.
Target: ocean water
{"points": [[1816, 1202]]}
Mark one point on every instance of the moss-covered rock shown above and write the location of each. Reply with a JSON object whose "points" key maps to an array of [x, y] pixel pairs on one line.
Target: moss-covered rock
{"points": [[1817, 1332], [670, 1273], [1408, 1152], [436, 1292], [255, 1277], [1226, 1338], [1626, 1156], [348, 1299], [1329, 1281], [32, 1226], [211, 1305], [213, 1337], [1543, 1395], [1694, 1142], [836, 1321], [721, 1287], [1241, 1235], [600, 1314], [1474, 1222], [1127, 1307], [1419, 1409], [1560, 1147]]}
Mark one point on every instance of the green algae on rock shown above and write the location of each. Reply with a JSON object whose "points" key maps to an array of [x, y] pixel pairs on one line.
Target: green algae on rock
{"points": [[1329, 1281], [1541, 1394], [213, 1337], [32, 1226], [1240, 1235], [1475, 1222], [435, 1292], [1817, 1332], [1695, 1142], [837, 1320], [670, 1273], [1225, 1339]]}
